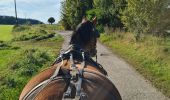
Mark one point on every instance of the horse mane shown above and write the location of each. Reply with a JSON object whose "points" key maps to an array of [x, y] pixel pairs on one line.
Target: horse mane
{"points": [[83, 34]]}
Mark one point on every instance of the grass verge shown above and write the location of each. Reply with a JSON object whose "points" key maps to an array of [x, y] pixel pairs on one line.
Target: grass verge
{"points": [[150, 56]]}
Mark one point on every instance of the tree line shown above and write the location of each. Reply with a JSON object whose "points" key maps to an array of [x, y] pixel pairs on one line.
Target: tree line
{"points": [[10, 20], [136, 16]]}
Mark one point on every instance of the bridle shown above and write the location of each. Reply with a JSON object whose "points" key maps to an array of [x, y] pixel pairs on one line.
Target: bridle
{"points": [[75, 77]]}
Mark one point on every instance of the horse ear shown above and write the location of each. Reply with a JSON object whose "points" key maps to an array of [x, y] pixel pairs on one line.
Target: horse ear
{"points": [[84, 19], [94, 20]]}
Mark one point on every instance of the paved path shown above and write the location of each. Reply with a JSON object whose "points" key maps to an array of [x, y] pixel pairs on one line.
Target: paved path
{"points": [[131, 85]]}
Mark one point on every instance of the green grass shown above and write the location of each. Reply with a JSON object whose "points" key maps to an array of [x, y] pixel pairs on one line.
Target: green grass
{"points": [[18, 65], [5, 57], [5, 32], [150, 56]]}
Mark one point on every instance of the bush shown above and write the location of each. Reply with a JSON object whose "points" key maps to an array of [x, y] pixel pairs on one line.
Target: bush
{"points": [[4, 45], [34, 36], [10, 82], [29, 70], [20, 28], [30, 61], [166, 34], [43, 26], [166, 50], [15, 66], [41, 31], [100, 28], [43, 37]]}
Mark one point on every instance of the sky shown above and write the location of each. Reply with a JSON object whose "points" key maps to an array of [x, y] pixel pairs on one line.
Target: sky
{"points": [[35, 9]]}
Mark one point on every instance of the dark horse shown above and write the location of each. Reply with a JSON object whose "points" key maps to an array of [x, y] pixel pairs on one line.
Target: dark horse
{"points": [[74, 75], [86, 36]]}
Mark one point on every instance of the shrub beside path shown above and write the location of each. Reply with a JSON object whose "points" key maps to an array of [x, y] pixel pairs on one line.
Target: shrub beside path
{"points": [[131, 85]]}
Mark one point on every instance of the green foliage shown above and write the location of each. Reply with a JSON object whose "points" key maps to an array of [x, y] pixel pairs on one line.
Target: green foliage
{"points": [[31, 60], [73, 12], [25, 33], [105, 38], [5, 32], [57, 38], [19, 65], [4, 45], [107, 12], [100, 28], [27, 64], [10, 82], [19, 28], [51, 20], [142, 16], [136, 16], [33, 36], [150, 56], [7, 45]]}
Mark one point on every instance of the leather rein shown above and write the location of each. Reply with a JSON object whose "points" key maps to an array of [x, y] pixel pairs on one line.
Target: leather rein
{"points": [[75, 78]]}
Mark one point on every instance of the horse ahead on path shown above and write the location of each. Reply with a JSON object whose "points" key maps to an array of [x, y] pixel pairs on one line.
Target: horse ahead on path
{"points": [[74, 75]]}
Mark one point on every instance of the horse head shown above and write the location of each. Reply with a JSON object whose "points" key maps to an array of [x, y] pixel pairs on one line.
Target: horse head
{"points": [[85, 35]]}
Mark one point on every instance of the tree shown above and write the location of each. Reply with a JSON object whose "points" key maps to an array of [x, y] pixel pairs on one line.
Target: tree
{"points": [[73, 12], [108, 12], [51, 20], [144, 16]]}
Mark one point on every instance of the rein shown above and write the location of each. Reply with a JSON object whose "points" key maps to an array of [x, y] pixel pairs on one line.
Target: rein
{"points": [[74, 90], [76, 80]]}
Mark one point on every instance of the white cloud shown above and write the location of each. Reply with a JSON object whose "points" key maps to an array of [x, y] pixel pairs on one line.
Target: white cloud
{"points": [[38, 9]]}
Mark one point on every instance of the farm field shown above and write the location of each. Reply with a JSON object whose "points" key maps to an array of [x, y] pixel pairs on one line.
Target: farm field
{"points": [[5, 32], [27, 51], [5, 35]]}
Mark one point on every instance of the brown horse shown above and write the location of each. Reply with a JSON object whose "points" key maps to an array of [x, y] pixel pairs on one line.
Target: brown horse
{"points": [[73, 76]]}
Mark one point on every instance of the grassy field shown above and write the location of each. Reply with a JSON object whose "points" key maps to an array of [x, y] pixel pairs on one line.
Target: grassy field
{"points": [[5, 32], [150, 56], [30, 50]]}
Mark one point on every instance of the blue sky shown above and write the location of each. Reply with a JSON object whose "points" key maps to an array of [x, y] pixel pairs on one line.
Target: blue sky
{"points": [[36, 9]]}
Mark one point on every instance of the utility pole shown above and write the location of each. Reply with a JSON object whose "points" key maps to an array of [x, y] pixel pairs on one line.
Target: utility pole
{"points": [[16, 12]]}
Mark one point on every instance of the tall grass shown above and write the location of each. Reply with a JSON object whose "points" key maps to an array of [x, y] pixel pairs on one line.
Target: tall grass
{"points": [[150, 56], [20, 69], [22, 59], [37, 33]]}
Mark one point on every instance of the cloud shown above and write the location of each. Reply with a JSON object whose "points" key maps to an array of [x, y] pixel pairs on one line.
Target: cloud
{"points": [[37, 9]]}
